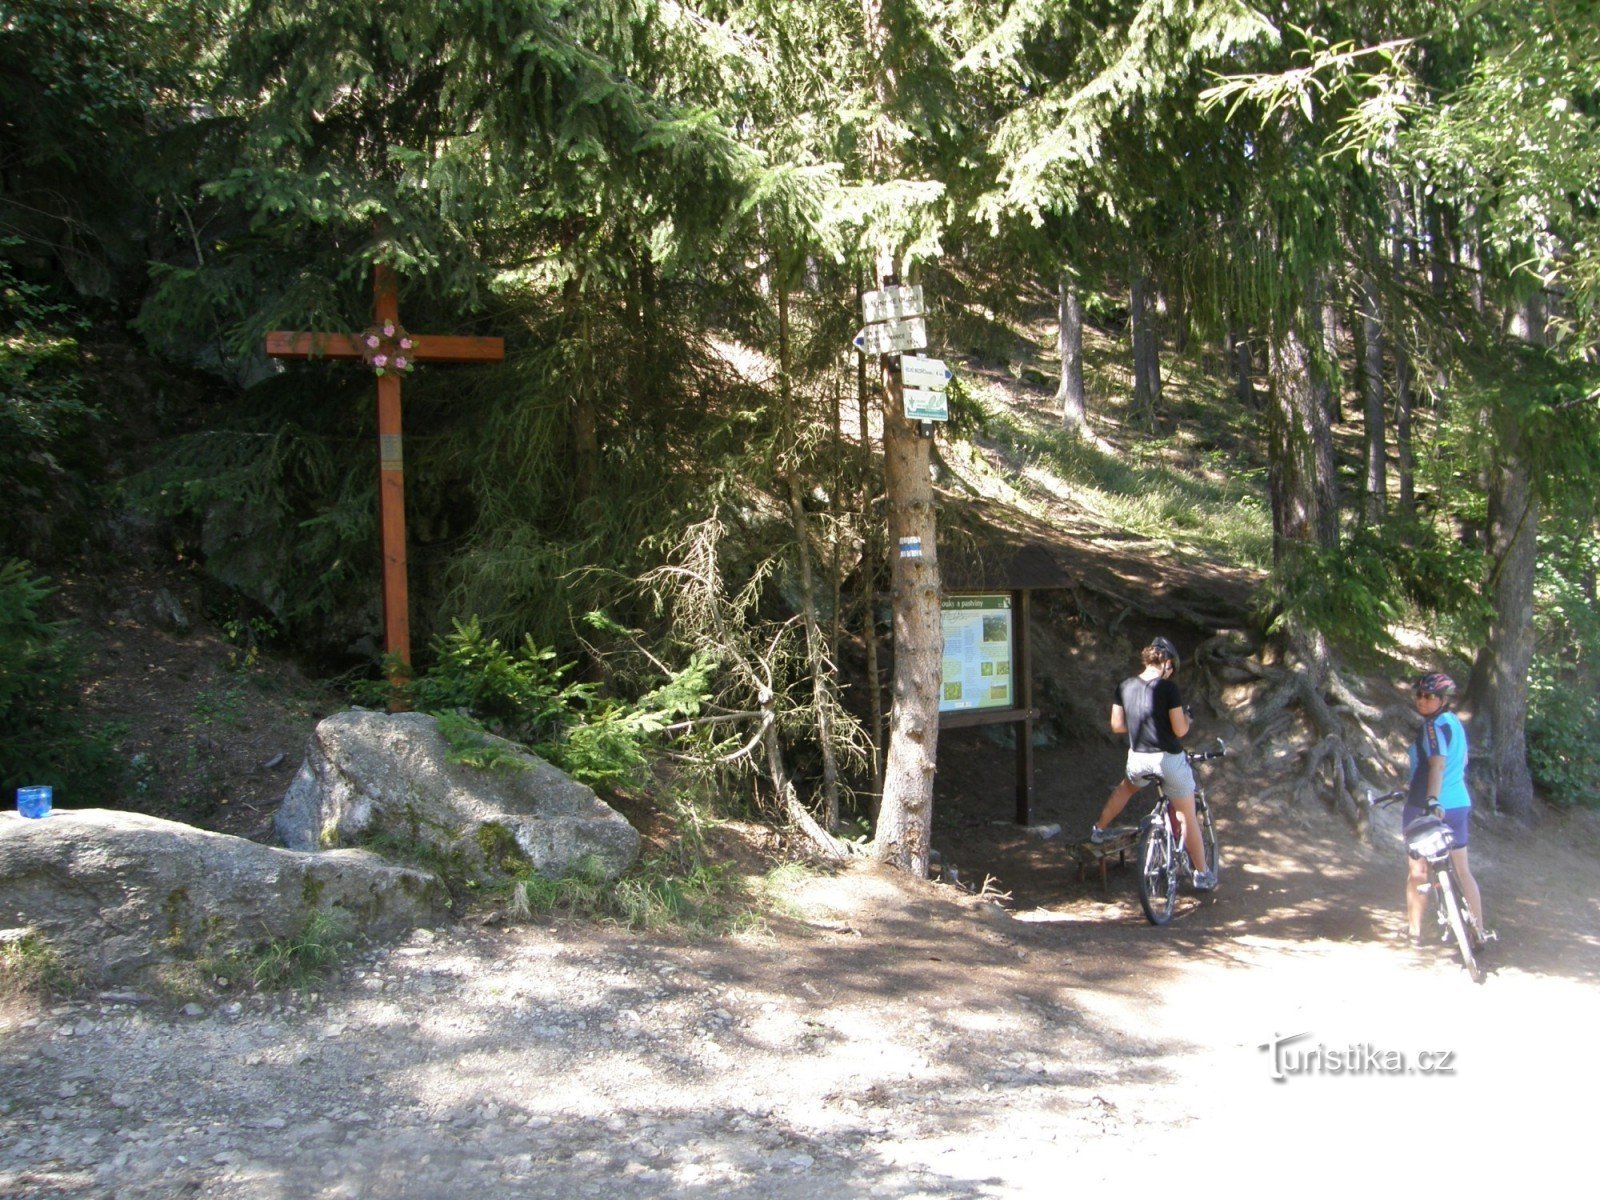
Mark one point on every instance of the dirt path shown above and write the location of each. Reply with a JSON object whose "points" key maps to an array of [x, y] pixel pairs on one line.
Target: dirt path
{"points": [[892, 1039]]}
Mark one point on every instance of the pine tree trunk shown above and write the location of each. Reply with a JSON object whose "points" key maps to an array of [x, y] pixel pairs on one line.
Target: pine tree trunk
{"points": [[1403, 399], [1513, 556], [1377, 496], [1243, 360], [1405, 456], [1300, 449], [1146, 350], [869, 590], [1328, 376], [816, 659], [1070, 340], [905, 816]]}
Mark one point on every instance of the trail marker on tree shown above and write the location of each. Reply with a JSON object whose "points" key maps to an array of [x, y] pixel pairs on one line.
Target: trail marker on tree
{"points": [[391, 352]]}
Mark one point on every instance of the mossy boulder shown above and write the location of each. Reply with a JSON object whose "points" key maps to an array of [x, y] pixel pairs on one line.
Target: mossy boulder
{"points": [[386, 780]]}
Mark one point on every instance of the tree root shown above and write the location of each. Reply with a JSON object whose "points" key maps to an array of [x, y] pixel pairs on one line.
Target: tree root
{"points": [[1330, 769]]}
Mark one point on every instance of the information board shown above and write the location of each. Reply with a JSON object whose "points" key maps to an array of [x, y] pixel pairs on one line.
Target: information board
{"points": [[977, 653]]}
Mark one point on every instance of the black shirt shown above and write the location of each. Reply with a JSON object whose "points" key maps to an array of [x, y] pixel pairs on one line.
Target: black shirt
{"points": [[1147, 704]]}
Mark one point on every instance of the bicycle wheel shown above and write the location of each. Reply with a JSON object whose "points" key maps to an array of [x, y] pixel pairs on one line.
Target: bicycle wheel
{"points": [[1158, 874], [1474, 934], [1458, 924], [1208, 838]]}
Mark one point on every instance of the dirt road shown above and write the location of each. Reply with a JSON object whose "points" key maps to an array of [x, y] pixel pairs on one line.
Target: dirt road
{"points": [[892, 1039]]}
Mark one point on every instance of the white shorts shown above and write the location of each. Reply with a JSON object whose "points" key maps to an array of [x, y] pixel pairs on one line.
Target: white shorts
{"points": [[1176, 777]]}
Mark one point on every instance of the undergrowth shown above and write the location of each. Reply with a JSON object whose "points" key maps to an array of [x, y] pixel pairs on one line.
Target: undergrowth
{"points": [[30, 969]]}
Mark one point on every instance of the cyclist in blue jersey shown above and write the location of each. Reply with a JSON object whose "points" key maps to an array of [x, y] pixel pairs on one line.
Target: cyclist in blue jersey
{"points": [[1439, 776], [1149, 708]]}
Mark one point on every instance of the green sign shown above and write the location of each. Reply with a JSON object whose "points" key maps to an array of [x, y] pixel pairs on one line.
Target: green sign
{"points": [[977, 652]]}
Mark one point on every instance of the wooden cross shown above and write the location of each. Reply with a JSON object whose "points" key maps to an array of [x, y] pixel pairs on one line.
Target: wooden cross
{"points": [[391, 352]]}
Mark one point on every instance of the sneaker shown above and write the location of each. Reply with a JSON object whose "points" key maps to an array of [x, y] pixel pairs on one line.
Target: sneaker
{"points": [[1205, 881], [1098, 836]]}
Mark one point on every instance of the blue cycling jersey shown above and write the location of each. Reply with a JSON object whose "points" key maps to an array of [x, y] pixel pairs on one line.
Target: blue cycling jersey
{"points": [[1441, 736]]}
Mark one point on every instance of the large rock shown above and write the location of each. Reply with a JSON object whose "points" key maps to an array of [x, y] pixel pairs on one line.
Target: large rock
{"points": [[115, 892], [385, 780]]}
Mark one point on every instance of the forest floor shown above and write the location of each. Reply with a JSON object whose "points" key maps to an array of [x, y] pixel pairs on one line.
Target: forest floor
{"points": [[875, 1035]]}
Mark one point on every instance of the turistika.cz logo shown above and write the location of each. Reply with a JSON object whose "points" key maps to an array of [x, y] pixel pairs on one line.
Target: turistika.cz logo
{"points": [[1289, 1057]]}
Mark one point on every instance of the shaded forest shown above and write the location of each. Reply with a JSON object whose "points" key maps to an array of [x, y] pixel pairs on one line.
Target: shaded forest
{"points": [[662, 522]]}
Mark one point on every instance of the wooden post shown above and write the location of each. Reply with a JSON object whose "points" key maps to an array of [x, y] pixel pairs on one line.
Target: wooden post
{"points": [[1022, 674]]}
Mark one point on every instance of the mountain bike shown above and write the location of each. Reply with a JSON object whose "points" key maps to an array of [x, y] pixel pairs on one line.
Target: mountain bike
{"points": [[1429, 839], [1163, 861]]}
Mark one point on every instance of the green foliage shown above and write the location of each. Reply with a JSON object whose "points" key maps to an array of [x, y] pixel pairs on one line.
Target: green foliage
{"points": [[660, 892], [475, 685], [303, 960], [45, 422], [1381, 575], [43, 736], [31, 968], [1564, 682], [470, 746]]}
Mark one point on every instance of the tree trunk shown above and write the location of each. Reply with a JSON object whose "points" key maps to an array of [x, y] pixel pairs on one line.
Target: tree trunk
{"points": [[1328, 380], [1513, 556], [1146, 350], [1403, 398], [1070, 340], [1243, 359], [1377, 495], [1300, 449], [816, 659], [1508, 650], [1406, 463], [905, 817], [869, 590]]}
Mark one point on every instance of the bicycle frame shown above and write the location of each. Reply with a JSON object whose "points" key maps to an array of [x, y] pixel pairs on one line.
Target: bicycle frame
{"points": [[1163, 860], [1428, 840]]}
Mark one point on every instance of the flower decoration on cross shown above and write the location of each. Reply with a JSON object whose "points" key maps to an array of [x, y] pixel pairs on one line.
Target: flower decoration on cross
{"points": [[387, 347]]}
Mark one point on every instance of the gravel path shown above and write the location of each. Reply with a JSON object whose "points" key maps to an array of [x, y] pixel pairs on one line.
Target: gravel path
{"points": [[893, 1040]]}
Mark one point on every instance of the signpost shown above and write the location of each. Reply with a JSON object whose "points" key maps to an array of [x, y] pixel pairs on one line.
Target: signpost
{"points": [[892, 304], [922, 404], [923, 383], [919, 372], [901, 334]]}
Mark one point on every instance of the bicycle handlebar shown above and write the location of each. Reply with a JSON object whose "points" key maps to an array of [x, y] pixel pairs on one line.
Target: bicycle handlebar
{"points": [[1373, 800], [1195, 756]]}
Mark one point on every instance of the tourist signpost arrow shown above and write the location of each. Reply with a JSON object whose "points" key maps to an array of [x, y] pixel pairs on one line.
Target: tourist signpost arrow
{"points": [[892, 304], [917, 371], [893, 336]]}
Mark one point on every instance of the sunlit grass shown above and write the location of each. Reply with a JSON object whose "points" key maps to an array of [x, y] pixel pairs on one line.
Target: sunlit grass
{"points": [[1159, 488]]}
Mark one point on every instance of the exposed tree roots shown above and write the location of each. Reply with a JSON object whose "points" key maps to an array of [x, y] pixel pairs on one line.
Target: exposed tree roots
{"points": [[1338, 765]]}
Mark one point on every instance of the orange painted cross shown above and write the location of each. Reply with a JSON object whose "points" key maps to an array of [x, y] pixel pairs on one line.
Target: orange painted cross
{"points": [[391, 352]]}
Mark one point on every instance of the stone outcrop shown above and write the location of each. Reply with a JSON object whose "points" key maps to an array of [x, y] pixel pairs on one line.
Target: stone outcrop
{"points": [[385, 780], [113, 893]]}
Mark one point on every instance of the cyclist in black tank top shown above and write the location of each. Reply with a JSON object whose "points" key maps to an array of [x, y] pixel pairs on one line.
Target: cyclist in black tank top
{"points": [[1148, 708]]}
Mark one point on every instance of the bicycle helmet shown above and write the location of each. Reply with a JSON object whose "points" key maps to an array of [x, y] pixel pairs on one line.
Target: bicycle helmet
{"points": [[1437, 684], [1167, 649]]}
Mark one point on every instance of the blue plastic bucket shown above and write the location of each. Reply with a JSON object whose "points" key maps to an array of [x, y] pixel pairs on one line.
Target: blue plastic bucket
{"points": [[34, 801]]}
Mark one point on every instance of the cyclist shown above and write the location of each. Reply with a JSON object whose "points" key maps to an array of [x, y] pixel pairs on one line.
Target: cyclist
{"points": [[1148, 707], [1438, 776]]}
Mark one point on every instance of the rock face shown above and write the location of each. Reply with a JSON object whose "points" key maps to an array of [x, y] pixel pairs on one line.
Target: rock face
{"points": [[385, 780], [115, 892]]}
